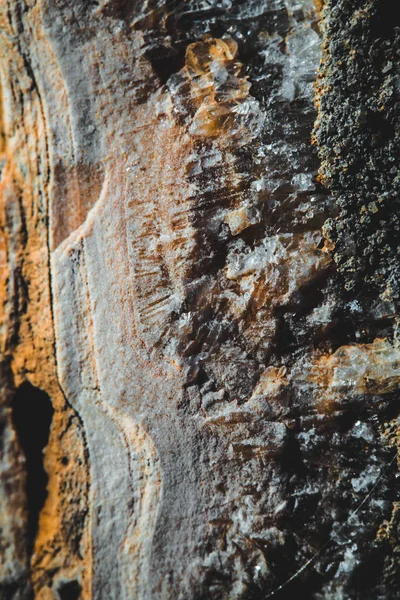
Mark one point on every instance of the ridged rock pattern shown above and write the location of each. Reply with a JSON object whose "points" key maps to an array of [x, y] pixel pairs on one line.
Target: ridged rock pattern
{"points": [[199, 325]]}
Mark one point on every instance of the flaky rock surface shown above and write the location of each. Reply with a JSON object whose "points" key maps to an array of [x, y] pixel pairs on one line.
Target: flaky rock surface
{"points": [[199, 307]]}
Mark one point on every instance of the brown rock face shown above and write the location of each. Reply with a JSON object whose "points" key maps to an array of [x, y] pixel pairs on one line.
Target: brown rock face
{"points": [[199, 393]]}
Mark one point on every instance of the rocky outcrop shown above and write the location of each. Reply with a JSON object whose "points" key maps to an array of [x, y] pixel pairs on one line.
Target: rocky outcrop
{"points": [[199, 300]]}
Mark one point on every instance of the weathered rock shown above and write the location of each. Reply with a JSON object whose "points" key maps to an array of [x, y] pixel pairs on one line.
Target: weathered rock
{"points": [[206, 335]]}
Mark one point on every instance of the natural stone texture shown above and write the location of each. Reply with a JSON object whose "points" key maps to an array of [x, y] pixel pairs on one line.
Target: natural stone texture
{"points": [[358, 135], [224, 383]]}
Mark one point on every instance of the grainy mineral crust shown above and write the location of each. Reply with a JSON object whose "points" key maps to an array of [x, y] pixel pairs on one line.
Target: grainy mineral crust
{"points": [[199, 300]]}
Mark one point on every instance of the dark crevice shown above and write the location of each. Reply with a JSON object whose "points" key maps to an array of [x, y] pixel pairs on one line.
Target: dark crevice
{"points": [[166, 60], [70, 590], [32, 413]]}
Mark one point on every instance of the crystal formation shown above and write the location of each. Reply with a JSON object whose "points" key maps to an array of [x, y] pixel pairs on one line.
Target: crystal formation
{"points": [[199, 292]]}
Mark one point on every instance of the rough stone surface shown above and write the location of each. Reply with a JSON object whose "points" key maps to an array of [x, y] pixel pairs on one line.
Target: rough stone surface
{"points": [[197, 328]]}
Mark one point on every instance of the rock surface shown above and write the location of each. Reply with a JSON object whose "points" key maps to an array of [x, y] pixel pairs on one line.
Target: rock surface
{"points": [[199, 322]]}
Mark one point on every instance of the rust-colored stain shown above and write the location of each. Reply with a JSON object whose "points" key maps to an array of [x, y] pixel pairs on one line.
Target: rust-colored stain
{"points": [[26, 333]]}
